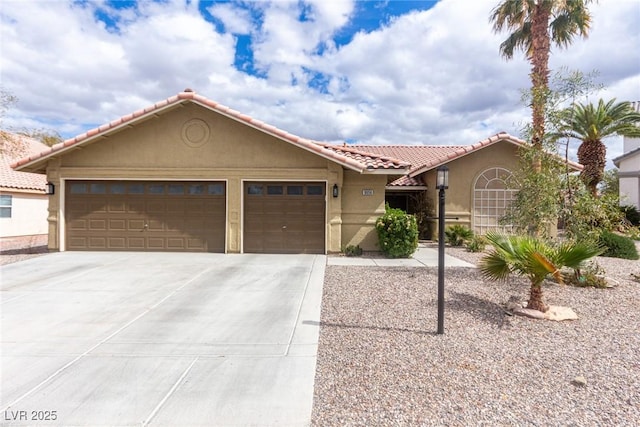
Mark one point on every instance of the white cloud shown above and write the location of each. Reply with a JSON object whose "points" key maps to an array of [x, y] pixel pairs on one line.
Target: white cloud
{"points": [[235, 19], [432, 77]]}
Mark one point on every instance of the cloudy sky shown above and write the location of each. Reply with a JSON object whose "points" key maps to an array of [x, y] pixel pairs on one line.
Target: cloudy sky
{"points": [[374, 72]]}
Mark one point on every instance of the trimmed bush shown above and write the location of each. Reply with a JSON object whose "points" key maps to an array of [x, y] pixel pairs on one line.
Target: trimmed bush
{"points": [[617, 246], [352, 250], [397, 233], [457, 235], [477, 244]]}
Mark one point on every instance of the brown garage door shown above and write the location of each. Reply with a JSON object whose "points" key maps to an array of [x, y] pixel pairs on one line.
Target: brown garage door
{"points": [[145, 216], [284, 217]]}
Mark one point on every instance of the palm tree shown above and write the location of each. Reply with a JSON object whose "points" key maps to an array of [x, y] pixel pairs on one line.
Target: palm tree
{"points": [[534, 24], [591, 124], [533, 258]]}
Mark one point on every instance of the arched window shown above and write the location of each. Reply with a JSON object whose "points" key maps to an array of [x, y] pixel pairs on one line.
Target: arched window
{"points": [[493, 193]]}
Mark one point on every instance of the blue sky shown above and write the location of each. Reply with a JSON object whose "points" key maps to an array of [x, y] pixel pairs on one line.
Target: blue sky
{"points": [[376, 72]]}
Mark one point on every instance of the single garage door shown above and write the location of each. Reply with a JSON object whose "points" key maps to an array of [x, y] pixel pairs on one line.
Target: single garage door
{"points": [[284, 217], [145, 216]]}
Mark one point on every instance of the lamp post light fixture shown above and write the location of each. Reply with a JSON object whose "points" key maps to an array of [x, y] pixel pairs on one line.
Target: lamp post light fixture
{"points": [[442, 183]]}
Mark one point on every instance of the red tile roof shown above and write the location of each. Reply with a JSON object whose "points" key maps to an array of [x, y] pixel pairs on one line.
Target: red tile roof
{"points": [[14, 147], [426, 157], [349, 158]]}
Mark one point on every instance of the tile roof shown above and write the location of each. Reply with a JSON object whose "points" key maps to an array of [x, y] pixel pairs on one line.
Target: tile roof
{"points": [[426, 157], [349, 158], [14, 147], [407, 181]]}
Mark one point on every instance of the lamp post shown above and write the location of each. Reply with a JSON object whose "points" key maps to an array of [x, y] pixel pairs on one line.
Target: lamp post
{"points": [[442, 183]]}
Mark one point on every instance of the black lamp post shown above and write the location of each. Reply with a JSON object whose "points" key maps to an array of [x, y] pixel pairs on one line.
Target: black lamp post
{"points": [[442, 183]]}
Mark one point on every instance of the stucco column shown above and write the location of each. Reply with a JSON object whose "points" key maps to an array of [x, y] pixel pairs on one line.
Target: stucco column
{"points": [[234, 200], [53, 216], [335, 208]]}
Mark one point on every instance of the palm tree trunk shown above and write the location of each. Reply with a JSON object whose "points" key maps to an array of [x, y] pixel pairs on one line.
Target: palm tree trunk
{"points": [[540, 47], [592, 154], [535, 298]]}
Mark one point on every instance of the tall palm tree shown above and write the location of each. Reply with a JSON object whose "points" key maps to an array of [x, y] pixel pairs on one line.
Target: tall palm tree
{"points": [[591, 124], [534, 24], [533, 258]]}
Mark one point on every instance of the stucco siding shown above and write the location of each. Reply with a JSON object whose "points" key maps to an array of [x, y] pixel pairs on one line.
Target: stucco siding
{"points": [[28, 215], [463, 173], [192, 137], [362, 203]]}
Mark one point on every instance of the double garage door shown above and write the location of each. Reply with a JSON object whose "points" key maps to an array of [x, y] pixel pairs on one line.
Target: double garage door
{"points": [[145, 216], [191, 216]]}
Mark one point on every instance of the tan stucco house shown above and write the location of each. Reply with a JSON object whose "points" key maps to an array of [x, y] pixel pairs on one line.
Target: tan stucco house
{"points": [[189, 174], [23, 202]]}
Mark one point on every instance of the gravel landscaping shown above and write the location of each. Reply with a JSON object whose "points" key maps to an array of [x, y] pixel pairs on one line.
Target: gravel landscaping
{"points": [[381, 363]]}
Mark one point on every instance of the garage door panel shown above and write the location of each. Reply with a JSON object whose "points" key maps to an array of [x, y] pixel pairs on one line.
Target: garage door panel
{"points": [[117, 243], [281, 217], [155, 216], [117, 225]]}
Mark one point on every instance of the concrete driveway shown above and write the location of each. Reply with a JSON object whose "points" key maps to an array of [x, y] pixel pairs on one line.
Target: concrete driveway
{"points": [[125, 339]]}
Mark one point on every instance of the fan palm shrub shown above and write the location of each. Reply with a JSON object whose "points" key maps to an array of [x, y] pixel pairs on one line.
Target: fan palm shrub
{"points": [[533, 258]]}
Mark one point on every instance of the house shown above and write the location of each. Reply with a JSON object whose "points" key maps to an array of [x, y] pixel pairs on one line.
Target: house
{"points": [[189, 174], [23, 202], [629, 169], [482, 185]]}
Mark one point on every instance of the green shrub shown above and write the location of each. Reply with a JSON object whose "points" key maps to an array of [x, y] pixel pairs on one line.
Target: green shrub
{"points": [[457, 235], [352, 250], [617, 246], [591, 275], [632, 214], [477, 244], [397, 233]]}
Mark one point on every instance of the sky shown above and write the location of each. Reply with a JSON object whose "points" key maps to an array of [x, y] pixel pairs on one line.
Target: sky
{"points": [[370, 72]]}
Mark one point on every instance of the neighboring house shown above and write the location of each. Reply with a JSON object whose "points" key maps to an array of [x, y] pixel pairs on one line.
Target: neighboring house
{"points": [[23, 202], [629, 169], [189, 174]]}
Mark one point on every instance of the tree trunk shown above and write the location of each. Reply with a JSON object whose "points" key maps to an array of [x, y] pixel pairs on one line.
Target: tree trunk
{"points": [[540, 47], [592, 154], [535, 298]]}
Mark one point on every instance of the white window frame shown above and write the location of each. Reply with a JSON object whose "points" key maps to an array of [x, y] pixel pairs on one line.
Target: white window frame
{"points": [[4, 207], [492, 198]]}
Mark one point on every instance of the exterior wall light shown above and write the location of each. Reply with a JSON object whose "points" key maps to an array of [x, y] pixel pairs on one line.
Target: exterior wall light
{"points": [[335, 192], [50, 188]]}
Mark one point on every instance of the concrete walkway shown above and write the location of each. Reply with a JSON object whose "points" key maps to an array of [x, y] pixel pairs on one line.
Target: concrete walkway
{"points": [[424, 257]]}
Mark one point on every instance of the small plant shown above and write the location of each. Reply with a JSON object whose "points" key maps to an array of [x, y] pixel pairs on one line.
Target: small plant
{"points": [[617, 246], [533, 258], [397, 233], [457, 235], [477, 244], [591, 275], [352, 250], [632, 214]]}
